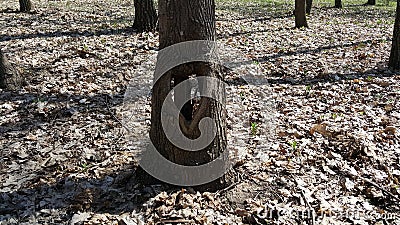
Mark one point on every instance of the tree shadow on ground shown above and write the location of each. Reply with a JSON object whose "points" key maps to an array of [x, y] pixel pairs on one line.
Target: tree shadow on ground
{"points": [[115, 193], [318, 49], [67, 106], [382, 71], [259, 19], [282, 11], [125, 31], [254, 32], [16, 11], [298, 52], [258, 10], [363, 12], [9, 10]]}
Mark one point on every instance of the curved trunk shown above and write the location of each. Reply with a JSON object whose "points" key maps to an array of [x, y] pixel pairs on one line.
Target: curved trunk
{"points": [[145, 15], [394, 59], [182, 21], [25, 5], [300, 14]]}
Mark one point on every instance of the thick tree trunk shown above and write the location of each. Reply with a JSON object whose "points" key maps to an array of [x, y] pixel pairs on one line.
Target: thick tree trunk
{"points": [[300, 13], [394, 59], [308, 6], [371, 2], [338, 4], [181, 21], [9, 77], [25, 5], [145, 15]]}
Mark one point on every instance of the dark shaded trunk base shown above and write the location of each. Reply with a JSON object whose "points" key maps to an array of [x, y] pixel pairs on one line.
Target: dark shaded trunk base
{"points": [[142, 178], [371, 2], [300, 14], [25, 5], [308, 6], [338, 4]]}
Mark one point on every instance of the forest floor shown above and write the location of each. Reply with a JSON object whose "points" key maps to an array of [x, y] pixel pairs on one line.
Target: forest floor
{"points": [[315, 131]]}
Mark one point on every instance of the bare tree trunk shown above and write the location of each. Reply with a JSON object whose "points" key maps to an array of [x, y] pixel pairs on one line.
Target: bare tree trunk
{"points": [[308, 6], [181, 21], [25, 5], [338, 4], [300, 14], [145, 15], [394, 59], [9, 77], [371, 2]]}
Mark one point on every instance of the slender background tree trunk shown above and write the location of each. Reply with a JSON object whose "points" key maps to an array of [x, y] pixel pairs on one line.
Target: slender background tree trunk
{"points": [[338, 4], [300, 14], [308, 6], [394, 59], [145, 15], [371, 2], [181, 21], [25, 5]]}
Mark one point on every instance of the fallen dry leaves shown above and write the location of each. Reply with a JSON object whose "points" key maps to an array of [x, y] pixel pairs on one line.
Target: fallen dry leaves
{"points": [[317, 131]]}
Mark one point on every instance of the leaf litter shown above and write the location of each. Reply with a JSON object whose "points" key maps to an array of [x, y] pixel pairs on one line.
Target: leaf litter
{"points": [[321, 136]]}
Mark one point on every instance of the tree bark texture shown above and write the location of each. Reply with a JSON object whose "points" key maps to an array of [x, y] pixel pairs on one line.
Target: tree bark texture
{"points": [[25, 5], [308, 6], [300, 14], [9, 76], [394, 59], [338, 4], [145, 15], [180, 21]]}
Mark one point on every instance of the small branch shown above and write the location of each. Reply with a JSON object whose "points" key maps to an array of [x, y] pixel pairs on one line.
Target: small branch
{"points": [[219, 192], [346, 173], [112, 114], [380, 188]]}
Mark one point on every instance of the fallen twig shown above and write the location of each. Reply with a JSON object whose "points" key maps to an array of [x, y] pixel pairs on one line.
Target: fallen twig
{"points": [[305, 199]]}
